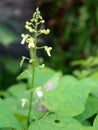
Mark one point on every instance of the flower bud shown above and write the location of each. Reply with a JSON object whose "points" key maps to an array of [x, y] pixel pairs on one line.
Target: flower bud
{"points": [[27, 27], [47, 31], [23, 35], [30, 42], [28, 23], [39, 92], [42, 66], [24, 101], [42, 21], [48, 49]]}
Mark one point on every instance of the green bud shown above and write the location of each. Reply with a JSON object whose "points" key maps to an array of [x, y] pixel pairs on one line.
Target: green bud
{"points": [[40, 17], [32, 30], [47, 31], [31, 60], [41, 66], [28, 23], [27, 27], [23, 35], [42, 21]]}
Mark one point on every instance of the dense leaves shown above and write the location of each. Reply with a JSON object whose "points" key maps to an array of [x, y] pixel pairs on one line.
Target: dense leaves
{"points": [[68, 99], [57, 122], [68, 103]]}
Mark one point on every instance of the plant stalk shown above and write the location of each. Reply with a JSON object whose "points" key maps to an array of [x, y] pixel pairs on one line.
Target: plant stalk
{"points": [[32, 56]]}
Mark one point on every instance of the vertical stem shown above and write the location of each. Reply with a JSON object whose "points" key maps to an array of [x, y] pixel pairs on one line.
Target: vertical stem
{"points": [[32, 56]]}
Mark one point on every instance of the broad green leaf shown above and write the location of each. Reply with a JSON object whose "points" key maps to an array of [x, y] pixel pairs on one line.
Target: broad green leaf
{"points": [[91, 108], [57, 122], [92, 84], [7, 119], [7, 36], [15, 106], [22, 111], [17, 89], [5, 128], [41, 76], [53, 82], [36, 104], [36, 112], [68, 98]]}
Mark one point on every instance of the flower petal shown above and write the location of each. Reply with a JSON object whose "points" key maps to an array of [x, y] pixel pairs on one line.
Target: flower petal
{"points": [[48, 49], [31, 44], [39, 93], [23, 41]]}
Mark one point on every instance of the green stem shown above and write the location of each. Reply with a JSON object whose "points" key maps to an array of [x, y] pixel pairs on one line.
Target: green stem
{"points": [[32, 56], [42, 47], [31, 96]]}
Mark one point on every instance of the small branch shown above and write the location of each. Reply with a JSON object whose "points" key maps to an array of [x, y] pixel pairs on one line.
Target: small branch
{"points": [[40, 47]]}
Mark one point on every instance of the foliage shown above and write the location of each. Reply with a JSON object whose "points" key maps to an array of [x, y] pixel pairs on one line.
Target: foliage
{"points": [[7, 36], [49, 99], [74, 32], [86, 67], [9, 68], [67, 104]]}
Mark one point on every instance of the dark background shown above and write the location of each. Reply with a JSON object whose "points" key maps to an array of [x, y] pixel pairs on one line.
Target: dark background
{"points": [[74, 34]]}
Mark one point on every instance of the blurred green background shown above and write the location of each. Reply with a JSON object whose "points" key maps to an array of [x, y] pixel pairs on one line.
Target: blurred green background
{"points": [[74, 36]]}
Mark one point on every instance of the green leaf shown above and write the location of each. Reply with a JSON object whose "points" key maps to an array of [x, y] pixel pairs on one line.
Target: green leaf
{"points": [[68, 98], [16, 107], [91, 108], [17, 89], [22, 112], [7, 36], [41, 76], [57, 122], [7, 119], [5, 128], [50, 83], [92, 84]]}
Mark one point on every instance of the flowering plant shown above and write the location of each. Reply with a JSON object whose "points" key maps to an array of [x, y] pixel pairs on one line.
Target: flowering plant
{"points": [[49, 100], [33, 26]]}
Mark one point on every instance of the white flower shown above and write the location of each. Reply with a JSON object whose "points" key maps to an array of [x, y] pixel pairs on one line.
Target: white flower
{"points": [[48, 49], [23, 41], [24, 101], [39, 92], [31, 44]]}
